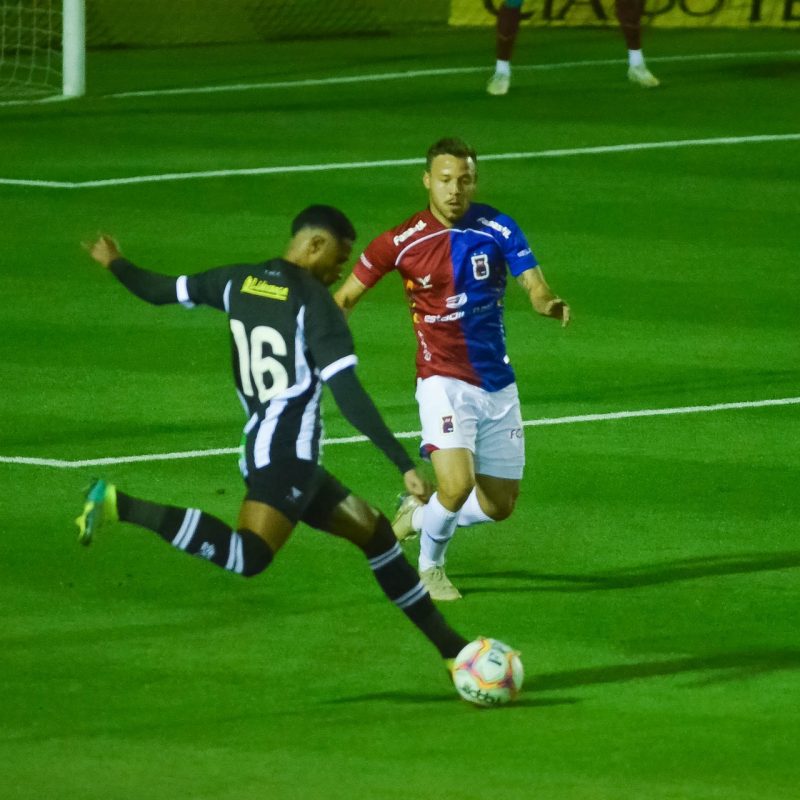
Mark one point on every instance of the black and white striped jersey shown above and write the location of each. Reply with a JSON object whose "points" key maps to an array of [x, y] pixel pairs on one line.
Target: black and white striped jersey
{"points": [[287, 337]]}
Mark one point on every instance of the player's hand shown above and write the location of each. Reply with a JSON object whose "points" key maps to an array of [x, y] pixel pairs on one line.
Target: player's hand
{"points": [[104, 250], [558, 309], [417, 485]]}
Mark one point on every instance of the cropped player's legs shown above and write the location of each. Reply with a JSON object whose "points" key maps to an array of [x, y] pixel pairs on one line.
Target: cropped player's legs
{"points": [[466, 430], [629, 14], [355, 520], [463, 499], [246, 551], [437, 519], [506, 29]]}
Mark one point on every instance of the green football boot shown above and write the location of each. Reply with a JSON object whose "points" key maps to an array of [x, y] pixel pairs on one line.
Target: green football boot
{"points": [[100, 506]]}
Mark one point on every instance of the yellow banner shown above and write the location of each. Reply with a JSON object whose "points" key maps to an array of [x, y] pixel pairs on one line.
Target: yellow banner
{"points": [[657, 13]]}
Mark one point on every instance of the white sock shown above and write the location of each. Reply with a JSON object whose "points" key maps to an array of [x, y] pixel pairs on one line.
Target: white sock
{"points": [[438, 527], [471, 512], [635, 58], [502, 68], [416, 518]]}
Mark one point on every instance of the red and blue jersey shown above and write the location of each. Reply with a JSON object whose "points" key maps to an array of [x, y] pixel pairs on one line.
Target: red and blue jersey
{"points": [[455, 281]]}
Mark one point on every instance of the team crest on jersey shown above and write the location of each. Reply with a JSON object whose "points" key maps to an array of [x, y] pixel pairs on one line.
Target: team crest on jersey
{"points": [[447, 424], [262, 288], [480, 266]]}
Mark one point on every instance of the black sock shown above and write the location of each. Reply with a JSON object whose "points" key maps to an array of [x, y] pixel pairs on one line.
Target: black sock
{"points": [[402, 586], [199, 534]]}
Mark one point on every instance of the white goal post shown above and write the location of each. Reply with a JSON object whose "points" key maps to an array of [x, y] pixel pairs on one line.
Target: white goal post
{"points": [[73, 48], [42, 50]]}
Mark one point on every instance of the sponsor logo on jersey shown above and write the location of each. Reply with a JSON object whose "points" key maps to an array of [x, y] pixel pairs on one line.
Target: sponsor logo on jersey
{"points": [[261, 288], [447, 424], [409, 232], [451, 317], [525, 252], [496, 226], [426, 354], [424, 282], [456, 300]]}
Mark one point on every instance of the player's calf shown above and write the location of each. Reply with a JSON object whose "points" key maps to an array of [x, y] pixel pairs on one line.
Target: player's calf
{"points": [[200, 534], [402, 585]]}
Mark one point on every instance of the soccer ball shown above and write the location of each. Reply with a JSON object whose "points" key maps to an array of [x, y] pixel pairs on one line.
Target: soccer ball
{"points": [[488, 672]]}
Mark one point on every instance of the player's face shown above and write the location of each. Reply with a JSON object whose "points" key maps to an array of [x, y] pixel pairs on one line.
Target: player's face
{"points": [[451, 183], [329, 259]]}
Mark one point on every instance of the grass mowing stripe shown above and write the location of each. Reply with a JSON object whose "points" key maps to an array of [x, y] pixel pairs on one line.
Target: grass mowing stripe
{"points": [[670, 144], [438, 72], [531, 423]]}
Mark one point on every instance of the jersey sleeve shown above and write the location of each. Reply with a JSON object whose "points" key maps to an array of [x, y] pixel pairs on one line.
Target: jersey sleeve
{"points": [[517, 251], [377, 259], [327, 335], [152, 287], [204, 288], [207, 288]]}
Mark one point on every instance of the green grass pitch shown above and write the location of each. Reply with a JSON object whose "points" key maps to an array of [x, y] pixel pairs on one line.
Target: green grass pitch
{"points": [[651, 573]]}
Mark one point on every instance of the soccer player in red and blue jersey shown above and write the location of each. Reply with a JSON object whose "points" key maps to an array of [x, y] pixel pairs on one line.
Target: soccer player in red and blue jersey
{"points": [[453, 258]]}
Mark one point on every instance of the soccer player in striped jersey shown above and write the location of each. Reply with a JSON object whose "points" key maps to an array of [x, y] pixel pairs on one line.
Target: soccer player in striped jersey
{"points": [[453, 258], [288, 337], [509, 16]]}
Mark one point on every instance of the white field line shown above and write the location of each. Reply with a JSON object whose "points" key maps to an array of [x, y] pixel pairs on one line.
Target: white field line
{"points": [[531, 423], [441, 72], [671, 144], [299, 83]]}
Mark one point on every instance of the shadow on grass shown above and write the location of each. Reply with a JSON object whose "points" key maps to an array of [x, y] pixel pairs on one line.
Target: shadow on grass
{"points": [[706, 670], [416, 698], [738, 665], [635, 577]]}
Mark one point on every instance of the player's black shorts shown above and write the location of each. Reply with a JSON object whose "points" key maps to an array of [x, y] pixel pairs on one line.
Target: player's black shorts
{"points": [[300, 490]]}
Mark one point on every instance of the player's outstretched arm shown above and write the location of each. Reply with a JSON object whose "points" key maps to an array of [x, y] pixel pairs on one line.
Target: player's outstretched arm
{"points": [[349, 293], [542, 297], [152, 287]]}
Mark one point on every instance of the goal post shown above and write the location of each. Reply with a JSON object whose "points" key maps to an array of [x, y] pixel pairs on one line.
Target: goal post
{"points": [[42, 50], [73, 48]]}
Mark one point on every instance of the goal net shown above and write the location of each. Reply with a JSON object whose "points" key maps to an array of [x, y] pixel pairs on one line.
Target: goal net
{"points": [[41, 49]]}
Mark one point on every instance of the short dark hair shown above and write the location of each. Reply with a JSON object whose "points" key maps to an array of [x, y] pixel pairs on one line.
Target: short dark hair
{"points": [[326, 217], [451, 146]]}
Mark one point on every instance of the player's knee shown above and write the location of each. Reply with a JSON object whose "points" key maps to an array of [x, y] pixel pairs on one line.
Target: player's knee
{"points": [[503, 510], [453, 495], [500, 508], [254, 555], [381, 539]]}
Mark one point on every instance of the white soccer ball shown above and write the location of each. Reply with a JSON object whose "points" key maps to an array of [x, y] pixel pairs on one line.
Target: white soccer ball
{"points": [[488, 672]]}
